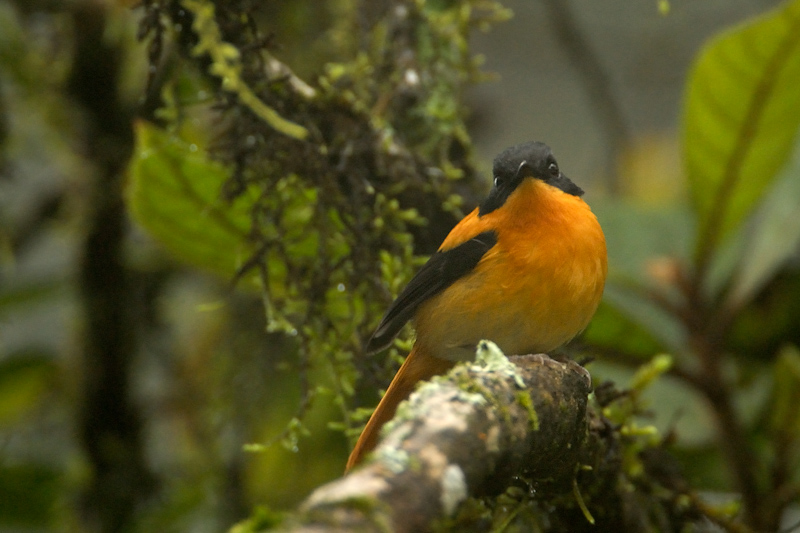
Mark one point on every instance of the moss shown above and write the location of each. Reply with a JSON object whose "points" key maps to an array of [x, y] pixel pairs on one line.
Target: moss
{"points": [[489, 357], [384, 140], [409, 409], [395, 459], [524, 399]]}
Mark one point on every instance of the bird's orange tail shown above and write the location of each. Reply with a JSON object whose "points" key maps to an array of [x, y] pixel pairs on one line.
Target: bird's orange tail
{"points": [[418, 366]]}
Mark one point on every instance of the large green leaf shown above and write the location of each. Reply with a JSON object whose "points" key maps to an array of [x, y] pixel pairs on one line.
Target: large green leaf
{"points": [[174, 192], [741, 117], [773, 235]]}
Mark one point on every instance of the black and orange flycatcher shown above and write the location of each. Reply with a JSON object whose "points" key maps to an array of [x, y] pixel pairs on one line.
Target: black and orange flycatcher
{"points": [[526, 270]]}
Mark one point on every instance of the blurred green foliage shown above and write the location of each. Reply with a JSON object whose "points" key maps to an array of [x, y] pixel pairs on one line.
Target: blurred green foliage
{"points": [[313, 234], [717, 285]]}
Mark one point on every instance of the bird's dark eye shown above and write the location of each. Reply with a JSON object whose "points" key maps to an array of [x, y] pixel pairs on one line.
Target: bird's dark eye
{"points": [[552, 168], [497, 181]]}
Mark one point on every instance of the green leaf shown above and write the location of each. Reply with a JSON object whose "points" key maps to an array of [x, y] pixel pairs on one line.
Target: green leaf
{"points": [[613, 330], [773, 236], [637, 235], [641, 243], [769, 320], [174, 192], [740, 119]]}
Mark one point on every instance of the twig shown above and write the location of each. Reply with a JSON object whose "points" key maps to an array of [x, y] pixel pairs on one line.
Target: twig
{"points": [[596, 83], [742, 460]]}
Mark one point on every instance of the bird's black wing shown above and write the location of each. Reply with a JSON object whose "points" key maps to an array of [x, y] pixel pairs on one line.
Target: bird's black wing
{"points": [[441, 271]]}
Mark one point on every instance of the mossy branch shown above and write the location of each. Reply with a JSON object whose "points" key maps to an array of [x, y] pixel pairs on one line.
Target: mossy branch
{"points": [[226, 65], [483, 430], [465, 434]]}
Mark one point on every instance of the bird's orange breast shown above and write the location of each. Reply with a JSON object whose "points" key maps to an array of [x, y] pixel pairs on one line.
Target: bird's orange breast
{"points": [[533, 291]]}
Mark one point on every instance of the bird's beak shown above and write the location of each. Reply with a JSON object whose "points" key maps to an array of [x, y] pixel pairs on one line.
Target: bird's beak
{"points": [[524, 170]]}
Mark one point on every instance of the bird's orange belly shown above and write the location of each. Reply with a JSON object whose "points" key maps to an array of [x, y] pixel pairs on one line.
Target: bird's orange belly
{"points": [[542, 305]]}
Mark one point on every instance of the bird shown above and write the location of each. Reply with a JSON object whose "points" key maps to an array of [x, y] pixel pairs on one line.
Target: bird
{"points": [[526, 269]]}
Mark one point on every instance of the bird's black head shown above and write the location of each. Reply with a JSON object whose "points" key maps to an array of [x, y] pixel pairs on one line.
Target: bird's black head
{"points": [[528, 160]]}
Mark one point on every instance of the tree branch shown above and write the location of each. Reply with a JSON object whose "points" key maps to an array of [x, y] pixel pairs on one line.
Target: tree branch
{"points": [[109, 425], [467, 434], [494, 424]]}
